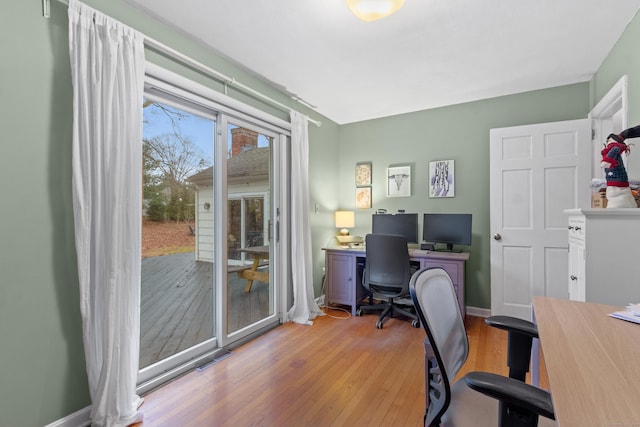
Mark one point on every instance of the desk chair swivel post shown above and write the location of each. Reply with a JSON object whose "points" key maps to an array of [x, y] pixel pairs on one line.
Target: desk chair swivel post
{"points": [[479, 398], [387, 275]]}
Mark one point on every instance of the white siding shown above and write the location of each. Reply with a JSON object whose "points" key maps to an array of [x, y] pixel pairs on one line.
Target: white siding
{"points": [[204, 225]]}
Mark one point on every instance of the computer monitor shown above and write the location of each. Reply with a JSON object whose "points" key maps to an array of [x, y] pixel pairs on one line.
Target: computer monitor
{"points": [[404, 224], [450, 229]]}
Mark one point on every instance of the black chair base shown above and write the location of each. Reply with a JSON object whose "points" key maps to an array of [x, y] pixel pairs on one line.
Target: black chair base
{"points": [[388, 309]]}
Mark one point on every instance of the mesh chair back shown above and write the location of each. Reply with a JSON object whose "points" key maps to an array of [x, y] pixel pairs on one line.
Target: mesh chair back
{"points": [[388, 270], [437, 307]]}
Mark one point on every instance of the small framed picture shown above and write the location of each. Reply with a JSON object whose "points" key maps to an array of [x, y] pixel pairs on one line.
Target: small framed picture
{"points": [[442, 179], [363, 198], [399, 181], [363, 174]]}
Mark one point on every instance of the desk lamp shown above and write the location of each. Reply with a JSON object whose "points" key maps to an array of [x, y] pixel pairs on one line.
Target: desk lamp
{"points": [[344, 221]]}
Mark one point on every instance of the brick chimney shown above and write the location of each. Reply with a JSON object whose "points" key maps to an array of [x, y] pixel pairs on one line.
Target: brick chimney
{"points": [[242, 139]]}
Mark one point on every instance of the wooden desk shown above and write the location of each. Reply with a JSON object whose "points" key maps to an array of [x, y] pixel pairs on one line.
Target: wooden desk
{"points": [[259, 254], [592, 361], [344, 272]]}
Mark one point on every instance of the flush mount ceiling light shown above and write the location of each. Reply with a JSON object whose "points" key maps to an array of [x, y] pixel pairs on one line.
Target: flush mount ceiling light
{"points": [[370, 10]]}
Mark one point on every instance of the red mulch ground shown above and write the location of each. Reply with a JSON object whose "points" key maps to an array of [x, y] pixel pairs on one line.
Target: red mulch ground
{"points": [[163, 238]]}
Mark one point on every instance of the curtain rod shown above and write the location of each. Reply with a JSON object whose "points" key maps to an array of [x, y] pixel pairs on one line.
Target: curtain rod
{"points": [[186, 60]]}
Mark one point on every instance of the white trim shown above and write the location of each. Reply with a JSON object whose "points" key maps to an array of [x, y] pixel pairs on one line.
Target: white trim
{"points": [[479, 312], [604, 116], [166, 84], [282, 224], [157, 373], [220, 229], [79, 418], [608, 104]]}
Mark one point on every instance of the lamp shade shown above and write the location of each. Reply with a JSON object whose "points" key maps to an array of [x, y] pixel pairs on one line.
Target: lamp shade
{"points": [[370, 10], [345, 220]]}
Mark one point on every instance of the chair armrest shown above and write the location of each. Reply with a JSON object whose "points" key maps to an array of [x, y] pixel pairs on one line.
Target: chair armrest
{"points": [[509, 323], [521, 334], [512, 392]]}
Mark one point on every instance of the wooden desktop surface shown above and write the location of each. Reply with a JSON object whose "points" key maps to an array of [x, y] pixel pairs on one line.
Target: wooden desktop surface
{"points": [[415, 253], [592, 361]]}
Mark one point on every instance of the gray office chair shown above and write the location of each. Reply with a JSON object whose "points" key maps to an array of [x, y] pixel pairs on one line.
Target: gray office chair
{"points": [[387, 274], [479, 398]]}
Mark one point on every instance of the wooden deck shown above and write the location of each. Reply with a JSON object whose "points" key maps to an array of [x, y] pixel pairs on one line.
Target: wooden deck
{"points": [[177, 306]]}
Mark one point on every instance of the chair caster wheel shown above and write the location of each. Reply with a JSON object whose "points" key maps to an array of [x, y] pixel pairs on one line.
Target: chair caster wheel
{"points": [[358, 312], [379, 324], [415, 323]]}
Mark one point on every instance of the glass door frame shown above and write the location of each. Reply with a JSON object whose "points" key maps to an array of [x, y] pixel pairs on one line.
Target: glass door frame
{"points": [[180, 91], [243, 197], [220, 212], [158, 372]]}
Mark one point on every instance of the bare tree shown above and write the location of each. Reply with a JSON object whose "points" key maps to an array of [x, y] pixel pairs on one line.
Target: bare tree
{"points": [[169, 159], [172, 158]]}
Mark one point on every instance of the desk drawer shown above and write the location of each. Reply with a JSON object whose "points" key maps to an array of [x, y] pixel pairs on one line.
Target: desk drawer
{"points": [[450, 267]]}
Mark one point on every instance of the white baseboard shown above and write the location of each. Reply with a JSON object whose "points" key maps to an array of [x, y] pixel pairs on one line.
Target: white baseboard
{"points": [[320, 300], [480, 312], [79, 418]]}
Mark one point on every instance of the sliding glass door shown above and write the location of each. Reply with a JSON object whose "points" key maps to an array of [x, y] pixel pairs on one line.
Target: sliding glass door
{"points": [[250, 292], [209, 253], [177, 309]]}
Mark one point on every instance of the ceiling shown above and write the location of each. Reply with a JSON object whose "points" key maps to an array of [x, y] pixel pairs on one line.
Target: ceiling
{"points": [[431, 53]]}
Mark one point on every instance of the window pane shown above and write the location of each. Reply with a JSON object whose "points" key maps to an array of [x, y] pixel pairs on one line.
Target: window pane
{"points": [[177, 301], [250, 291]]}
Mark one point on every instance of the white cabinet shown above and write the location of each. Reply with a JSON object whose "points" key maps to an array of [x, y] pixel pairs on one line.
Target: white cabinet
{"points": [[576, 257], [604, 255]]}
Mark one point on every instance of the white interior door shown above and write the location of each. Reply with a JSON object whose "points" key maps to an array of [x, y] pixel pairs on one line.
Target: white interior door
{"points": [[537, 171]]}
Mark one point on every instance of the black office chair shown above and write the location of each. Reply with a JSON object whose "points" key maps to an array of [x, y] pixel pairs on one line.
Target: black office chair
{"points": [[387, 274], [501, 401]]}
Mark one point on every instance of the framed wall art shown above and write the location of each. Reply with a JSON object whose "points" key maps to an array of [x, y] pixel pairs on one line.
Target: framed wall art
{"points": [[363, 198], [399, 181], [363, 174], [442, 179]]}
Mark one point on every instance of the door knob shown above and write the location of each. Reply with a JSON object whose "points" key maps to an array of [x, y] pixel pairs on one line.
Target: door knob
{"points": [[497, 236]]}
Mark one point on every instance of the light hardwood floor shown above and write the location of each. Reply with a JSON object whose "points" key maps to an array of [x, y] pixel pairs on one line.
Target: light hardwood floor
{"points": [[338, 372]]}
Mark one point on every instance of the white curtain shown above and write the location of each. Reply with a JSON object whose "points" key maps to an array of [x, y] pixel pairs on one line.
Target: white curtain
{"points": [[107, 68], [304, 305]]}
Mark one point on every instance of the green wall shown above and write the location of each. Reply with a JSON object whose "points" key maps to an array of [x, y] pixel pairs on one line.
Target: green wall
{"points": [[42, 373], [42, 368], [459, 133], [623, 59]]}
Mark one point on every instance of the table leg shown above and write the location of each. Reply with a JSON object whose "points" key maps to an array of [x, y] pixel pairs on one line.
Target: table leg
{"points": [[254, 268]]}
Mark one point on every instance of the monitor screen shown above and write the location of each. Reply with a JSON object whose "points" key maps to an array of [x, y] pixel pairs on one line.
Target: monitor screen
{"points": [[405, 224], [451, 229]]}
